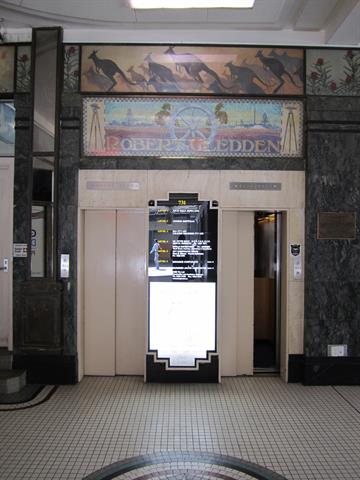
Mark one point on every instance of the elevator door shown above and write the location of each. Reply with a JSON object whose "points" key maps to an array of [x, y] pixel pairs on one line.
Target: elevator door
{"points": [[114, 292], [237, 293]]}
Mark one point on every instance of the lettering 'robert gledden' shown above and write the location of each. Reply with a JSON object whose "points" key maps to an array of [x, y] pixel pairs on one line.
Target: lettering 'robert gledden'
{"points": [[159, 146]]}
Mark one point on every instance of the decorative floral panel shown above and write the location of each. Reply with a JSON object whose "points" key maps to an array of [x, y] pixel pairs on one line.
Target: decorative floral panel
{"points": [[23, 68], [71, 68], [333, 72]]}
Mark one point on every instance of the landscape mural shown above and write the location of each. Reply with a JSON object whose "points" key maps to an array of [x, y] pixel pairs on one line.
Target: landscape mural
{"points": [[192, 69], [333, 72], [191, 127], [7, 128]]}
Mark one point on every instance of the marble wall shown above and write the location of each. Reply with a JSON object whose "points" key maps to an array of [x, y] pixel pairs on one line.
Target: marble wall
{"points": [[332, 299]]}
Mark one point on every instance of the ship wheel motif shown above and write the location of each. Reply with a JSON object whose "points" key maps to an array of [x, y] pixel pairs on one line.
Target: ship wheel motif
{"points": [[193, 122]]}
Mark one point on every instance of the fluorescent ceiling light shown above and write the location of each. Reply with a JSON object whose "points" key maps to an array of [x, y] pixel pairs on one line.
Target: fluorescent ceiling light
{"points": [[147, 4]]}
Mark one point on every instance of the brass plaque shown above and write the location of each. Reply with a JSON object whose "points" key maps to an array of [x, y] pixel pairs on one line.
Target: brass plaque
{"points": [[336, 226]]}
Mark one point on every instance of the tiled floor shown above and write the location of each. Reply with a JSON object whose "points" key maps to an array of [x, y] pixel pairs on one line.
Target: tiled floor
{"points": [[299, 432]]}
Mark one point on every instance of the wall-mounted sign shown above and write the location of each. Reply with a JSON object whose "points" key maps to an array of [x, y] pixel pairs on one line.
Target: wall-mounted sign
{"points": [[295, 252], [206, 70], [192, 127], [255, 186], [20, 250], [336, 226]]}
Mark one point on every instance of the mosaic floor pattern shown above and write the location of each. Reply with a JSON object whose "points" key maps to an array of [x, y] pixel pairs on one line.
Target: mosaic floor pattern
{"points": [[184, 466]]}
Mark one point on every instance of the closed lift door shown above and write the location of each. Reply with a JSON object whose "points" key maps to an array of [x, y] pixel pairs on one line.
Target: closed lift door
{"points": [[115, 292], [237, 294], [131, 296]]}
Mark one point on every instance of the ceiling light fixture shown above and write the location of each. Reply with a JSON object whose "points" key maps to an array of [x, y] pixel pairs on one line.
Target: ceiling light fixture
{"points": [[150, 4]]}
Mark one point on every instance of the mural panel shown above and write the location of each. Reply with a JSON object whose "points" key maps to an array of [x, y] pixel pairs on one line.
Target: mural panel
{"points": [[189, 69], [7, 129], [23, 68], [191, 127], [7, 54], [71, 68], [332, 72]]}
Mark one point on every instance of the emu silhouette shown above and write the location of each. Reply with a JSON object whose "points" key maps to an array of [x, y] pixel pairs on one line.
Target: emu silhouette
{"points": [[108, 68], [276, 68], [245, 77], [193, 66]]}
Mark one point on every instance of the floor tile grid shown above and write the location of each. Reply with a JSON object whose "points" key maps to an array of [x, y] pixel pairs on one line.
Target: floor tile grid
{"points": [[288, 428]]}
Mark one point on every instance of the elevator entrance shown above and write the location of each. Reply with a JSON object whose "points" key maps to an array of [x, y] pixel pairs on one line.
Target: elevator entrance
{"points": [[250, 309], [125, 286], [267, 289]]}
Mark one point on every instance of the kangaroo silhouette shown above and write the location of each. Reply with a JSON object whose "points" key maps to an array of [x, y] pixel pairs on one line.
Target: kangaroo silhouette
{"points": [[137, 78], [168, 87], [102, 82], [159, 71], [245, 77], [108, 68], [192, 65], [276, 68], [291, 64]]}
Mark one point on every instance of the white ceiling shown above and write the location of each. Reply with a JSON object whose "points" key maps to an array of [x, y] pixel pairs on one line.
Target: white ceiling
{"points": [[290, 22]]}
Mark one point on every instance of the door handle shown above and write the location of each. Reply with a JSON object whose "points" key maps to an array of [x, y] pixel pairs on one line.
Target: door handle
{"points": [[5, 267]]}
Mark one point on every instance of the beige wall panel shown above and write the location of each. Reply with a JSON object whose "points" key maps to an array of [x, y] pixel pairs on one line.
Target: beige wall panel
{"points": [[6, 222], [112, 188], [228, 288], [245, 292], [80, 294], [236, 323], [131, 292], [99, 292], [296, 317], [163, 182], [297, 226], [285, 308], [291, 194]]}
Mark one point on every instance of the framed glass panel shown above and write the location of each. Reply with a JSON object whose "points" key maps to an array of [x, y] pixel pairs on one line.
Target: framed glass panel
{"points": [[46, 47], [42, 217]]}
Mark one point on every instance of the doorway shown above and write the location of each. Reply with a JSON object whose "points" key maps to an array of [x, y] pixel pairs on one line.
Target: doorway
{"points": [[250, 308], [267, 287], [6, 222], [115, 295]]}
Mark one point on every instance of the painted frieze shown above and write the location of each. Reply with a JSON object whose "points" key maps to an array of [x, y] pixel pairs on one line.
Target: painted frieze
{"points": [[178, 69], [191, 127]]}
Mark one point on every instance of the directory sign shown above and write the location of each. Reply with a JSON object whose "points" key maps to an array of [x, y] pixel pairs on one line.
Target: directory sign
{"points": [[182, 280]]}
